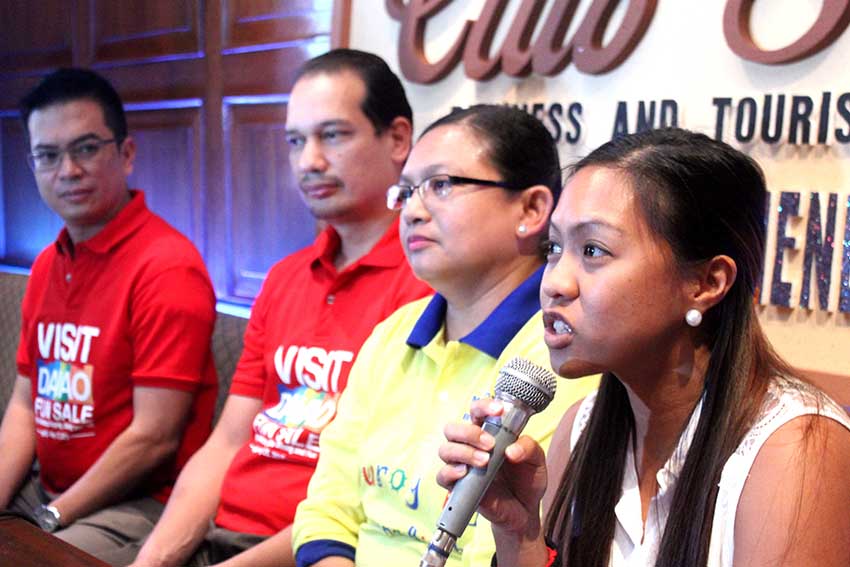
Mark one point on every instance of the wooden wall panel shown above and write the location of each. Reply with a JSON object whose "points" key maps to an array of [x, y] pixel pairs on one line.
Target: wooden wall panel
{"points": [[260, 24], [269, 220], [263, 72], [21, 49], [154, 81], [29, 224], [2, 204], [132, 30], [168, 165], [13, 88], [205, 84]]}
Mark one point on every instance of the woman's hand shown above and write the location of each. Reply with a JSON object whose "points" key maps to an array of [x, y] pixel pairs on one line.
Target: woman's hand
{"points": [[512, 503]]}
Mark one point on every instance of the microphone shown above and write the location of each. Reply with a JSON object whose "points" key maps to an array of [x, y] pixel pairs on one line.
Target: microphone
{"points": [[524, 389]]}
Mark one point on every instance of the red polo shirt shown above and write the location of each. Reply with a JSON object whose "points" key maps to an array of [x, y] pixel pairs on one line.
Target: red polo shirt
{"points": [[306, 327], [132, 306]]}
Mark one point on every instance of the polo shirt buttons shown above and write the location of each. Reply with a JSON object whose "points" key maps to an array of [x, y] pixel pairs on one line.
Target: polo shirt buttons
{"points": [[68, 277], [330, 299]]}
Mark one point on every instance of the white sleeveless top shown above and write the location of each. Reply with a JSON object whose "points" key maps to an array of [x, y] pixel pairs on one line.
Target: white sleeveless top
{"points": [[786, 399]]}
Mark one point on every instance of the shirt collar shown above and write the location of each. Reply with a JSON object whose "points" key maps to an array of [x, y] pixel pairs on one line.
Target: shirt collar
{"points": [[628, 507], [669, 474], [496, 331], [386, 253], [125, 223]]}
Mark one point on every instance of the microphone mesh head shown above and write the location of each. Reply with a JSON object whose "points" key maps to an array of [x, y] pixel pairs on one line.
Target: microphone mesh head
{"points": [[533, 385]]}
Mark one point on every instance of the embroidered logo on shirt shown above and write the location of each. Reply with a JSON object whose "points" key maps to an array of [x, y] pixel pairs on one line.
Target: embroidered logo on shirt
{"points": [[309, 390], [398, 480], [290, 430]]}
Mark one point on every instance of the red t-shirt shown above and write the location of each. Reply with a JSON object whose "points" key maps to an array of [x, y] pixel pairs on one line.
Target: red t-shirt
{"points": [[306, 327], [132, 306]]}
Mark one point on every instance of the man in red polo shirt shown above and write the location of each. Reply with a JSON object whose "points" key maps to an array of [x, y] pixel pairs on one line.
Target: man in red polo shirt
{"points": [[348, 126], [116, 383]]}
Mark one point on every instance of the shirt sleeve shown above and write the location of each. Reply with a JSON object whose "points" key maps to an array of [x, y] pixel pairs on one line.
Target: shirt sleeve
{"points": [[328, 521], [171, 322], [23, 359], [35, 284], [249, 378]]}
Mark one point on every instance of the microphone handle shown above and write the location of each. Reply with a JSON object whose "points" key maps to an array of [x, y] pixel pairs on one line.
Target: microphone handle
{"points": [[468, 491], [466, 496]]}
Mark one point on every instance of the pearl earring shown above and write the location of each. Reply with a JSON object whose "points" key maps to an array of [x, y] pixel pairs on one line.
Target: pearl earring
{"points": [[522, 229], [693, 317]]}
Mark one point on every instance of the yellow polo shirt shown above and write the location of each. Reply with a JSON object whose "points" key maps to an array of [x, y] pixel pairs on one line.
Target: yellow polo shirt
{"points": [[374, 496]]}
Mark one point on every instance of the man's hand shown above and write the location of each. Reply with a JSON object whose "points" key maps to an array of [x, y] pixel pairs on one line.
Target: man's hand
{"points": [[195, 497], [159, 417], [17, 441], [512, 502]]}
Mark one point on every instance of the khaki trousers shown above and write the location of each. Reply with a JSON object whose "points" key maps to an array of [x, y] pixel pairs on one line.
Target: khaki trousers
{"points": [[113, 534]]}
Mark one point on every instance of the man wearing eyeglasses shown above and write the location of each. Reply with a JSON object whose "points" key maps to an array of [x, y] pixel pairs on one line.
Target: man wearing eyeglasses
{"points": [[115, 352], [348, 127]]}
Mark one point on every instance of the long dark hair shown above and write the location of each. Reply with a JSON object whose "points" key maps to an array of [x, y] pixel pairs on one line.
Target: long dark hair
{"points": [[704, 199]]}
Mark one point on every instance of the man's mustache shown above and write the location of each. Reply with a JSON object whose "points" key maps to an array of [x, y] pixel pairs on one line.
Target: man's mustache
{"points": [[312, 180]]}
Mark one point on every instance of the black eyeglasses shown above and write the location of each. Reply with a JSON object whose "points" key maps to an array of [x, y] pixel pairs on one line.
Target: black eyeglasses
{"points": [[80, 153], [440, 185]]}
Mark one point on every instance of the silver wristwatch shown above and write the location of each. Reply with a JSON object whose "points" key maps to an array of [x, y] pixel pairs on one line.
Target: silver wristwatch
{"points": [[48, 518]]}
